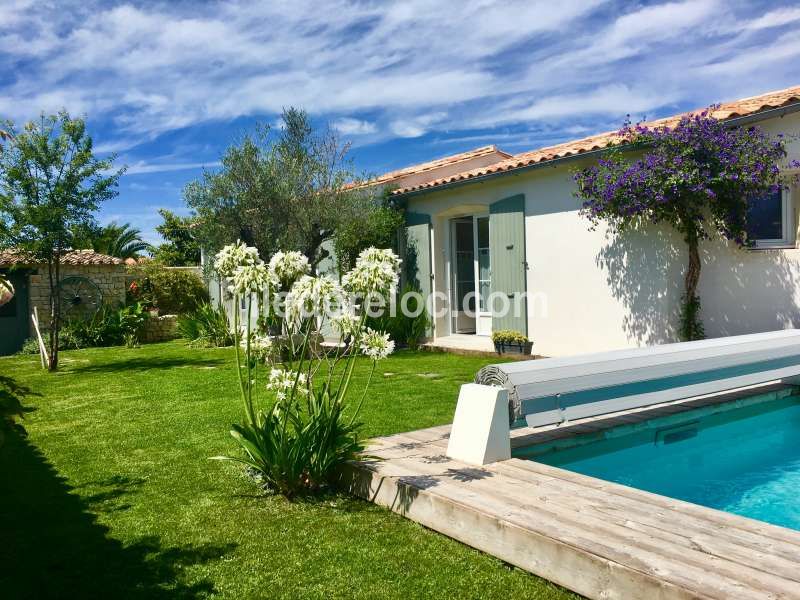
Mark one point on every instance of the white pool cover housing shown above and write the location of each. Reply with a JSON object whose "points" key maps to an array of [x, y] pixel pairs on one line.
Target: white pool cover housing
{"points": [[554, 390]]}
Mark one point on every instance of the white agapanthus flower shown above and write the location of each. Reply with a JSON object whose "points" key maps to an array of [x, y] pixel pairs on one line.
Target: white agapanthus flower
{"points": [[257, 342], [376, 272], [346, 324], [376, 344], [235, 255], [314, 297], [287, 267], [281, 382], [251, 279]]}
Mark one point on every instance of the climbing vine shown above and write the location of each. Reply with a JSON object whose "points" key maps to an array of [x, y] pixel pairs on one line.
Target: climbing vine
{"points": [[698, 176]]}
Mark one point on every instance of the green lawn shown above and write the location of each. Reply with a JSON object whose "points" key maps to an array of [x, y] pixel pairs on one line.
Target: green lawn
{"points": [[113, 495]]}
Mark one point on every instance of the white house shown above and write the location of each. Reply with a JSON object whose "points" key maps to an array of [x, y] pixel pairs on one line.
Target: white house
{"points": [[485, 221]]}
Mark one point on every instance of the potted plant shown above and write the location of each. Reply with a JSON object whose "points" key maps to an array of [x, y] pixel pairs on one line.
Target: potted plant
{"points": [[510, 341]]}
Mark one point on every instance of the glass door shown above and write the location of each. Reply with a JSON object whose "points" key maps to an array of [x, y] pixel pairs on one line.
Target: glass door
{"points": [[462, 271], [483, 276]]}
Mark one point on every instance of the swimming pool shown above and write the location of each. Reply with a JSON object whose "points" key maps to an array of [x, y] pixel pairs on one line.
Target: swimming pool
{"points": [[742, 457]]}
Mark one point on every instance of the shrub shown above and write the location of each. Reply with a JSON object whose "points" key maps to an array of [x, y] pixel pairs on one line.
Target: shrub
{"points": [[206, 326], [108, 327], [171, 291], [66, 341], [31, 346], [408, 331]]}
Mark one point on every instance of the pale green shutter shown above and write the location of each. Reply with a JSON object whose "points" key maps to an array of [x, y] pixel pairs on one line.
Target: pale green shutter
{"points": [[417, 255], [507, 252]]}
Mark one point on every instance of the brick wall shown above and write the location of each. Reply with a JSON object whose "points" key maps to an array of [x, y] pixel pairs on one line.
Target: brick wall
{"points": [[109, 278]]}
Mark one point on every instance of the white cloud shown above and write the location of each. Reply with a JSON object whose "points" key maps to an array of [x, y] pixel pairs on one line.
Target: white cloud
{"points": [[774, 18], [350, 126], [615, 100], [143, 167], [152, 68], [416, 126], [518, 73], [784, 50]]}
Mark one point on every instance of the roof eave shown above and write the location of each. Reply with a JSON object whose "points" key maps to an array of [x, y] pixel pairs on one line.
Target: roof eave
{"points": [[732, 122]]}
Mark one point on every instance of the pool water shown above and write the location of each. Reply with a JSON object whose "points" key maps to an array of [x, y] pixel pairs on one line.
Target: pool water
{"points": [[744, 460]]}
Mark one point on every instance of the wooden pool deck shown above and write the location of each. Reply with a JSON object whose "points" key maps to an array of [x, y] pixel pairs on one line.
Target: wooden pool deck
{"points": [[600, 539]]}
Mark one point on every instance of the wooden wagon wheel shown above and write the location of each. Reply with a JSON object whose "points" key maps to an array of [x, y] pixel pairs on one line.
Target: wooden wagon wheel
{"points": [[6, 291], [81, 298]]}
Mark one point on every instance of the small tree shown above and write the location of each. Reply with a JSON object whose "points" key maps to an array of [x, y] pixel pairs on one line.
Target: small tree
{"points": [[50, 185], [697, 176], [180, 248]]}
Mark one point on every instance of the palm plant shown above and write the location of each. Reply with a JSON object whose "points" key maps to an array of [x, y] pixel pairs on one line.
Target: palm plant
{"points": [[122, 241]]}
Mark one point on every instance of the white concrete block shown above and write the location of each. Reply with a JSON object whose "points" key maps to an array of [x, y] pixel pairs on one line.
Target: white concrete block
{"points": [[480, 433]]}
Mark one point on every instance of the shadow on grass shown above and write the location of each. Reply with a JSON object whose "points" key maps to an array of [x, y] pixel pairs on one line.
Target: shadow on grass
{"points": [[12, 409], [53, 547], [147, 364]]}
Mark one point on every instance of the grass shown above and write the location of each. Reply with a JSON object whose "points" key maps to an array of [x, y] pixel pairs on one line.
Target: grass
{"points": [[113, 495]]}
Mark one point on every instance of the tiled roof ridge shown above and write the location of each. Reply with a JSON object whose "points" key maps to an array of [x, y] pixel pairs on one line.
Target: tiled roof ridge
{"points": [[722, 111], [438, 163], [72, 257]]}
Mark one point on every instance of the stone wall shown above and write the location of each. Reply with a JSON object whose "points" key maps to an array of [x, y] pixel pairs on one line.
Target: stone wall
{"points": [[160, 329], [109, 278]]}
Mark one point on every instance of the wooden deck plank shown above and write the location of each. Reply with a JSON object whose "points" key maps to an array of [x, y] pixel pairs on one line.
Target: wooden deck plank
{"points": [[748, 551], [588, 574], [724, 519], [697, 531], [653, 552], [492, 517], [544, 519]]}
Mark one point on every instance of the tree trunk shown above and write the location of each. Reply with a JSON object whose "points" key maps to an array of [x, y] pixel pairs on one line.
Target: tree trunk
{"points": [[691, 326], [693, 270], [54, 275]]}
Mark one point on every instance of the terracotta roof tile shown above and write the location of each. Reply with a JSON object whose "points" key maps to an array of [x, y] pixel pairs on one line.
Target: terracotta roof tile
{"points": [[75, 257], [437, 164], [725, 111]]}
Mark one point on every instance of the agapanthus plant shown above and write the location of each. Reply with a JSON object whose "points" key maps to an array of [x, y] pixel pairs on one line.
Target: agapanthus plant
{"points": [[301, 421], [288, 267]]}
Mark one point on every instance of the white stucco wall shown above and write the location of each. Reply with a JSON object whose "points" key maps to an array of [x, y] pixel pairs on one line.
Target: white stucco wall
{"points": [[604, 294]]}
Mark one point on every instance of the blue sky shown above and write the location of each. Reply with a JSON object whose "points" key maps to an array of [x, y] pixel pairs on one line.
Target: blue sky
{"points": [[168, 85]]}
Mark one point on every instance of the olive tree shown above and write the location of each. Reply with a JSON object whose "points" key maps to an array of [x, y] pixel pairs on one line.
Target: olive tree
{"points": [[288, 189]]}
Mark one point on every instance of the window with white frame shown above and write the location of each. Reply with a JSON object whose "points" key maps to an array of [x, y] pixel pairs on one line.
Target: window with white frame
{"points": [[771, 219]]}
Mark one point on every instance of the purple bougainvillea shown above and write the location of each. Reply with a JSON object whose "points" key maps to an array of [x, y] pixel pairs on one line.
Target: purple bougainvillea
{"points": [[697, 176]]}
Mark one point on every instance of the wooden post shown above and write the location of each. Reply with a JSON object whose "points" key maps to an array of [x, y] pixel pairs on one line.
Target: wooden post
{"points": [[42, 348]]}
